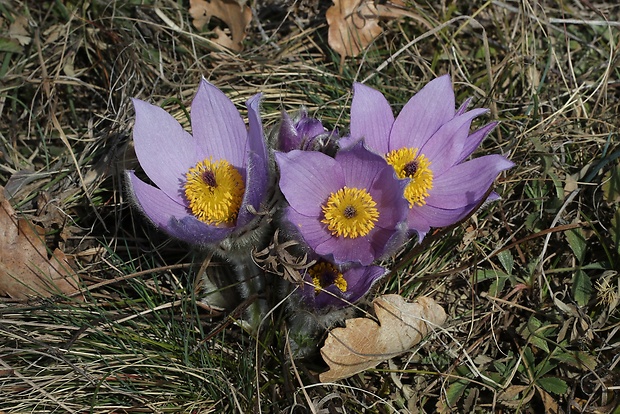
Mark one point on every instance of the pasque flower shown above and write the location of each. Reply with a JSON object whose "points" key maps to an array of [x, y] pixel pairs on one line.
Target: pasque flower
{"points": [[428, 143], [350, 207], [305, 133], [208, 184], [329, 285]]}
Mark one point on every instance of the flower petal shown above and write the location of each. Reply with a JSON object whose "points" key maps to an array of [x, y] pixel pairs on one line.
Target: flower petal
{"points": [[359, 281], [473, 140], [307, 178], [445, 147], [170, 216], [371, 118], [217, 126], [358, 250], [288, 137], [360, 166], [439, 217], [257, 174], [165, 151], [466, 183], [418, 223], [309, 227], [424, 114]]}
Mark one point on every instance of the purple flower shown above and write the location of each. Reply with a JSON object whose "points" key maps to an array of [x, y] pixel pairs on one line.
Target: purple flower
{"points": [[329, 285], [350, 207], [304, 133], [206, 182], [428, 143]]}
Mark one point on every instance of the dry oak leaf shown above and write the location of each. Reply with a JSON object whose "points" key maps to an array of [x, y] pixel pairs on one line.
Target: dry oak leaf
{"points": [[363, 344], [354, 24], [25, 268], [235, 14]]}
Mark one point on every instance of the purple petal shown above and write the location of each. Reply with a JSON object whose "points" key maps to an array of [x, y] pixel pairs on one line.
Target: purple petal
{"points": [[257, 174], [308, 128], [473, 140], [439, 217], [359, 281], [307, 178], [195, 231], [445, 147], [371, 118], [309, 227], [424, 114], [164, 149], [170, 216], [463, 107], [387, 191], [466, 183], [217, 127], [346, 250], [360, 166], [288, 137], [417, 222]]}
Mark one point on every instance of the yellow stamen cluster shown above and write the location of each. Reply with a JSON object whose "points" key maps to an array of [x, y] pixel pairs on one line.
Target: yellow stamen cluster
{"points": [[214, 191], [325, 274], [350, 212], [408, 164]]}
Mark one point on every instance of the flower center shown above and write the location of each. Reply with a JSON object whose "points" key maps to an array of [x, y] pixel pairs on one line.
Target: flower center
{"points": [[408, 164], [326, 274], [350, 212], [214, 191]]}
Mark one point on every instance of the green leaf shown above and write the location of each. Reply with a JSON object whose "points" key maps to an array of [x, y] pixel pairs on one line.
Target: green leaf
{"points": [[497, 286], [10, 45], [544, 367], [534, 331], [577, 243], [553, 385], [614, 230], [455, 391], [507, 261], [582, 287], [577, 359], [486, 274], [611, 185]]}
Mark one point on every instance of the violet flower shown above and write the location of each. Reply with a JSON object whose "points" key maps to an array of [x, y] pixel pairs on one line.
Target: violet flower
{"points": [[305, 133], [329, 285], [428, 143], [208, 183], [350, 207]]}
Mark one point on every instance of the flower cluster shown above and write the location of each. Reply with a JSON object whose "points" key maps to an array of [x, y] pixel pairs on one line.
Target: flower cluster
{"points": [[348, 202]]}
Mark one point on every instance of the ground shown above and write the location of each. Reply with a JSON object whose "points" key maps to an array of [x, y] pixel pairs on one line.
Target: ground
{"points": [[529, 282]]}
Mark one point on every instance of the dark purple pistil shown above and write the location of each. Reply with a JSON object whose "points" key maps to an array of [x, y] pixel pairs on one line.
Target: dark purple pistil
{"points": [[349, 212], [209, 178], [327, 278], [410, 168]]}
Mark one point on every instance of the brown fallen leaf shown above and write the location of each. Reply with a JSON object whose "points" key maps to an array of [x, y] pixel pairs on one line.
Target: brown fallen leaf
{"points": [[235, 14], [25, 268], [363, 343], [354, 24]]}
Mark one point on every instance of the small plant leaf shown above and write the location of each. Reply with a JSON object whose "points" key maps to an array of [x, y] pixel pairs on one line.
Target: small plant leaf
{"points": [[507, 261], [582, 287], [611, 185], [577, 359], [577, 242], [553, 385], [534, 332], [363, 343]]}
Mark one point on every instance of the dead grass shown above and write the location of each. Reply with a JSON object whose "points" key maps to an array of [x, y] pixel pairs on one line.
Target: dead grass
{"points": [[530, 283]]}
